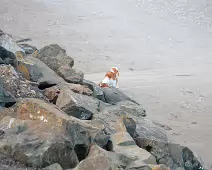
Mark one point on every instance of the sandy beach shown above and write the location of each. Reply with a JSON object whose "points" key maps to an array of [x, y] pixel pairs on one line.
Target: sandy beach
{"points": [[163, 50]]}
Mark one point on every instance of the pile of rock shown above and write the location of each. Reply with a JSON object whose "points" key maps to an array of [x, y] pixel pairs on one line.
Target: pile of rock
{"points": [[51, 118]]}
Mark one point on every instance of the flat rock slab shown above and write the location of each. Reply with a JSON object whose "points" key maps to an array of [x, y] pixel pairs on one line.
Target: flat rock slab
{"points": [[77, 105]]}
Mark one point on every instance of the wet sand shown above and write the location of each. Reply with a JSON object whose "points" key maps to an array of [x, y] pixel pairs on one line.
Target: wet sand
{"points": [[163, 50]]}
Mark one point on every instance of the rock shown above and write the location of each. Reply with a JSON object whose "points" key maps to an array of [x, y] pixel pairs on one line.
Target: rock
{"points": [[38, 134], [8, 49], [104, 160], [137, 165], [53, 92], [123, 143], [116, 117], [129, 108], [191, 160], [77, 88], [55, 166], [70, 75], [7, 163], [97, 91], [153, 139], [36, 71], [184, 158], [146, 134], [28, 49], [6, 100], [55, 57], [14, 83], [77, 105], [113, 96]]}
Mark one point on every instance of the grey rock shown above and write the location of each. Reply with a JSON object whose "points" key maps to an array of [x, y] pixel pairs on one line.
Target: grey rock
{"points": [[97, 91], [36, 71], [124, 144], [7, 163], [54, 56], [28, 49], [191, 160], [6, 100], [77, 105], [153, 138], [104, 160], [39, 134], [113, 95], [8, 49], [70, 75], [16, 85], [55, 166]]}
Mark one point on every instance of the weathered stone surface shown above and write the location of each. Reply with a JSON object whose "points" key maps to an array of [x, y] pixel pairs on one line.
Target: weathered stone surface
{"points": [[113, 96], [6, 100], [70, 75], [77, 105], [115, 117], [137, 165], [7, 163], [99, 159], [97, 91], [55, 57], [53, 92], [14, 83], [35, 70], [28, 49], [8, 49], [128, 107], [77, 88], [153, 138], [55, 166], [38, 134], [191, 160], [123, 143]]}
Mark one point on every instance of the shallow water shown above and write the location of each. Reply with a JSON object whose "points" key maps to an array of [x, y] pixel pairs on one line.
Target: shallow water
{"points": [[159, 39]]}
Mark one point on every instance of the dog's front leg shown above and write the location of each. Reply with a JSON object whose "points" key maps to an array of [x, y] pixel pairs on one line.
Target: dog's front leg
{"points": [[117, 84]]}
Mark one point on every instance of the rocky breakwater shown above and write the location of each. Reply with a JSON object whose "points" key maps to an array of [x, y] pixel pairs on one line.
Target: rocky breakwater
{"points": [[53, 119]]}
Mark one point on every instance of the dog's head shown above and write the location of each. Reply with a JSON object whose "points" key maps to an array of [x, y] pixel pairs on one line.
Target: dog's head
{"points": [[115, 70]]}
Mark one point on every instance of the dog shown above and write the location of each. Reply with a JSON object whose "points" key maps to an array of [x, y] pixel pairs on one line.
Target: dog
{"points": [[110, 79]]}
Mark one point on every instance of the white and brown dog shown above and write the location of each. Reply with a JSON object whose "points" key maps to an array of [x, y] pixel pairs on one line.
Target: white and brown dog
{"points": [[111, 78]]}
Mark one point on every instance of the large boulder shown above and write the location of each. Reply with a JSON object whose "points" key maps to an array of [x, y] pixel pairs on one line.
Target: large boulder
{"points": [[6, 100], [97, 91], [70, 75], [16, 85], [54, 56], [113, 95], [28, 49], [124, 144], [99, 158], [117, 117], [36, 71], [38, 134], [8, 50], [77, 105]]}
